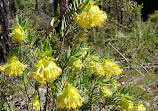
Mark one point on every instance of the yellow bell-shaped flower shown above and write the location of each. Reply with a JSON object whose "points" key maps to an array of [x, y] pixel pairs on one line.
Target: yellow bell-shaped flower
{"points": [[111, 68], [96, 68], [76, 64], [45, 70], [69, 98], [35, 104], [139, 107], [18, 34], [126, 105], [105, 91], [13, 67], [91, 16]]}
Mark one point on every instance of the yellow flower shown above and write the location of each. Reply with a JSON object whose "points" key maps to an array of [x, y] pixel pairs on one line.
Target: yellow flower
{"points": [[69, 98], [111, 68], [96, 68], [76, 64], [45, 70], [105, 91], [93, 66], [91, 16], [18, 34], [13, 67], [139, 107], [126, 105], [35, 104]]}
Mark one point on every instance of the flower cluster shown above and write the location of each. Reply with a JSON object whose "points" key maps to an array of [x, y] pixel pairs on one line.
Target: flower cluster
{"points": [[111, 68], [35, 104], [18, 33], [69, 98], [45, 70], [126, 105], [95, 68], [107, 67], [91, 16], [76, 64], [105, 91], [13, 67]]}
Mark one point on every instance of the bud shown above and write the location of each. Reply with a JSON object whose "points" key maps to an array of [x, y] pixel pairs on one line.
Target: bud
{"points": [[69, 98], [18, 34]]}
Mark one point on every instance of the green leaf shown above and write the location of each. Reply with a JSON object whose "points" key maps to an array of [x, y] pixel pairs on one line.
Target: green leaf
{"points": [[56, 23], [48, 53], [57, 12]]}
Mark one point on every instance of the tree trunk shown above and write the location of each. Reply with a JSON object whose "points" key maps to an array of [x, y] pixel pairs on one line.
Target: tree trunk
{"points": [[5, 41], [63, 7]]}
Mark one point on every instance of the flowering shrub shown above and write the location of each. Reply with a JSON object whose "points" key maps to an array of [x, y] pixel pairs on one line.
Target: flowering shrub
{"points": [[78, 80]]}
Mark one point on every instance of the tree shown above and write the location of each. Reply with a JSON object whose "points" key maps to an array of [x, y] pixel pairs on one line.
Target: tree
{"points": [[5, 41], [63, 4]]}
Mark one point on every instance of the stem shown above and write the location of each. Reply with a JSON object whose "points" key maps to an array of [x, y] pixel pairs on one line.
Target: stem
{"points": [[45, 106], [91, 98], [26, 94], [61, 44], [39, 97]]}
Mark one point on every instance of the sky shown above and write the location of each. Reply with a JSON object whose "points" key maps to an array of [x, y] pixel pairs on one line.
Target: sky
{"points": [[51, 0]]}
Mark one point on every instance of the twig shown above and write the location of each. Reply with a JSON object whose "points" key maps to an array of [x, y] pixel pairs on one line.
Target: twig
{"points": [[39, 97], [91, 97], [26, 94], [45, 106], [118, 52], [143, 67]]}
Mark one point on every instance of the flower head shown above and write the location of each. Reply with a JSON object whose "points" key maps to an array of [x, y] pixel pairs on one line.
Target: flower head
{"points": [[76, 64], [35, 104], [91, 16], [45, 70], [105, 91], [18, 34], [69, 98], [126, 105], [93, 66], [96, 68], [13, 67], [111, 68]]}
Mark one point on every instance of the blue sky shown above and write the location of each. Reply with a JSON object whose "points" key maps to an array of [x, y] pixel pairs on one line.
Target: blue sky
{"points": [[51, 0]]}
